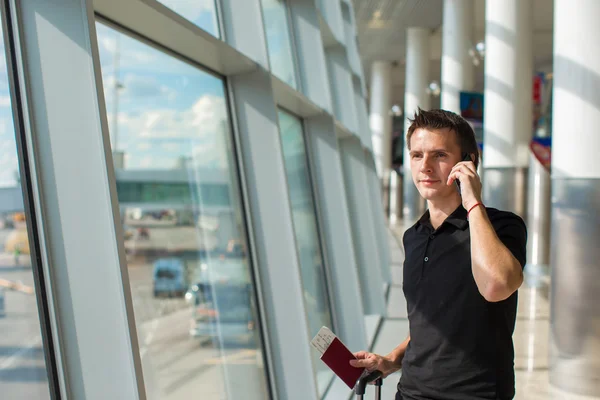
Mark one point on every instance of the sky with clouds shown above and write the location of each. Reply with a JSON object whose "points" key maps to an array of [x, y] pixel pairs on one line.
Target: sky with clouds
{"points": [[201, 12], [166, 108]]}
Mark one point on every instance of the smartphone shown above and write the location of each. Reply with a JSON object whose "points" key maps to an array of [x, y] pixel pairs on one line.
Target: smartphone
{"points": [[456, 181]]}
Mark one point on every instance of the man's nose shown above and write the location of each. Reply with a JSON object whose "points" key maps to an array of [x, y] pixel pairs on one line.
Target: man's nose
{"points": [[426, 164]]}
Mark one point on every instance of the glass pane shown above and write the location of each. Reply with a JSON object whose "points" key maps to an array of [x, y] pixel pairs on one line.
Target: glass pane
{"points": [[22, 364], [308, 242], [177, 186], [278, 40], [201, 12]]}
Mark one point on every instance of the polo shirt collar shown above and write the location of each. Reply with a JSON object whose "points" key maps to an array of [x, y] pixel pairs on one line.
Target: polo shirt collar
{"points": [[458, 218]]}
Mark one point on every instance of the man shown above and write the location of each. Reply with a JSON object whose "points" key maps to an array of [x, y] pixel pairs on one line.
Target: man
{"points": [[463, 266]]}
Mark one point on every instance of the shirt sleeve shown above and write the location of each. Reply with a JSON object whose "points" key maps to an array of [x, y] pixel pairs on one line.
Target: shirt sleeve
{"points": [[512, 232]]}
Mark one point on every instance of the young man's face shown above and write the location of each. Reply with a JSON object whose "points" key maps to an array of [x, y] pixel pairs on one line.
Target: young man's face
{"points": [[433, 153]]}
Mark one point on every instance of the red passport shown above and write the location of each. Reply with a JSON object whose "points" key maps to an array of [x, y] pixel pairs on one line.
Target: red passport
{"points": [[337, 357]]}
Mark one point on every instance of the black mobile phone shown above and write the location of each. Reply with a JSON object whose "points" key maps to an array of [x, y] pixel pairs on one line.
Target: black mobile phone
{"points": [[464, 158]]}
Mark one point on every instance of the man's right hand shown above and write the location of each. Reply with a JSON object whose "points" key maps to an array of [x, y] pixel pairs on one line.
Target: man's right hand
{"points": [[373, 362]]}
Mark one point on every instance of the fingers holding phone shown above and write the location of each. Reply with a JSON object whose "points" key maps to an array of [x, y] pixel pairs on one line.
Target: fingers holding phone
{"points": [[467, 180]]}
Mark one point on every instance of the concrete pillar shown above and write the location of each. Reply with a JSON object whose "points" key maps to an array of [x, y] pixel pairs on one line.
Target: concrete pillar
{"points": [[457, 66], [575, 315], [508, 125], [380, 122], [417, 80]]}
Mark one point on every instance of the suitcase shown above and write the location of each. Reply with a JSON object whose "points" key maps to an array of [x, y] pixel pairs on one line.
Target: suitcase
{"points": [[360, 387]]}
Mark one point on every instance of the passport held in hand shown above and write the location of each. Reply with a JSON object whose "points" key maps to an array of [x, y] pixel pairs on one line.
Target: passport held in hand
{"points": [[337, 356]]}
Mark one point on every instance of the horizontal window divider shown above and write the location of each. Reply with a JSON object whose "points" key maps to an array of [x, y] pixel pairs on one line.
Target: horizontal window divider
{"points": [[158, 24], [294, 101]]}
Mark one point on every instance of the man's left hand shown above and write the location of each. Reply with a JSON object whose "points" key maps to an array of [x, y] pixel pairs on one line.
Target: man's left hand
{"points": [[470, 183]]}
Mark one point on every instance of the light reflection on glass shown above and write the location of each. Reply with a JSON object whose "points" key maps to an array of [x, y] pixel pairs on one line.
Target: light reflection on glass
{"points": [[201, 12], [308, 245], [279, 41], [177, 184]]}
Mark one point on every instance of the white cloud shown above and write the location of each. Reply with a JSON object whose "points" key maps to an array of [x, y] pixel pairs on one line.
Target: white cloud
{"points": [[8, 162], [203, 120], [202, 127], [143, 86], [108, 43], [170, 147], [6, 128], [146, 162], [5, 101], [144, 146]]}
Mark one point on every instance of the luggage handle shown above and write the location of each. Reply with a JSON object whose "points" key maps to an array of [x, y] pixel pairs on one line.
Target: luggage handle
{"points": [[363, 381]]}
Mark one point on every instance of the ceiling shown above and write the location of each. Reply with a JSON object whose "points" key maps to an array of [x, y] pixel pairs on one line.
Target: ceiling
{"points": [[381, 26]]}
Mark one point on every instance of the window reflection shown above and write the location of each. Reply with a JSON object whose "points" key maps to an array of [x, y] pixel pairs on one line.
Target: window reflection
{"points": [[201, 12], [308, 245], [279, 41], [192, 290], [22, 364]]}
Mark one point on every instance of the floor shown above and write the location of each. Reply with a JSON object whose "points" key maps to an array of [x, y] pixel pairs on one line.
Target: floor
{"points": [[530, 337]]}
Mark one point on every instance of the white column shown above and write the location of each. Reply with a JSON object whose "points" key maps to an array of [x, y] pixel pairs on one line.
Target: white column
{"points": [[417, 80], [576, 103], [508, 102], [379, 118], [380, 123], [457, 38], [574, 340]]}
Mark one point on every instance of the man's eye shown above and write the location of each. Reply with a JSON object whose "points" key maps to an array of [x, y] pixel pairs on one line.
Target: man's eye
{"points": [[441, 155], [416, 156]]}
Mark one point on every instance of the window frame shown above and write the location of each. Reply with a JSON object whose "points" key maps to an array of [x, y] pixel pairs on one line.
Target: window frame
{"points": [[237, 166]]}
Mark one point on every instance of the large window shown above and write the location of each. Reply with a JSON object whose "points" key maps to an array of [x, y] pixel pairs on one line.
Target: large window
{"points": [[201, 12], [278, 40], [308, 243], [22, 364], [177, 183]]}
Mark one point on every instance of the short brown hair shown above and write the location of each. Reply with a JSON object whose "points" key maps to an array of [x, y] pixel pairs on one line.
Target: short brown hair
{"points": [[442, 119]]}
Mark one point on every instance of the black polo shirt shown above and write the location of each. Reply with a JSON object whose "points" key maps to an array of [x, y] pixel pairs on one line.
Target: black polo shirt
{"points": [[460, 344]]}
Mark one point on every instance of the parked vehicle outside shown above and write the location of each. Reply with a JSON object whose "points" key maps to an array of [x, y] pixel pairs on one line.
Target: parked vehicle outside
{"points": [[169, 277], [222, 303]]}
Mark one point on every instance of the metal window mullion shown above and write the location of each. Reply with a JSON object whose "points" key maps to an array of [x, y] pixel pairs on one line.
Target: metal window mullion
{"points": [[312, 177], [378, 218], [368, 265], [312, 67], [35, 228], [72, 175], [293, 45], [333, 209], [251, 242], [332, 14], [244, 29], [362, 116], [273, 235], [342, 88]]}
